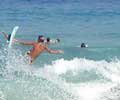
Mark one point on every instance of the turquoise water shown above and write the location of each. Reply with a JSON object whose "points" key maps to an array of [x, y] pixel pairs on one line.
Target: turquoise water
{"points": [[80, 73]]}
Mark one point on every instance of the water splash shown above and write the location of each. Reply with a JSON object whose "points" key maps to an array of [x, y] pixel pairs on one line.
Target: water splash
{"points": [[73, 79], [19, 80]]}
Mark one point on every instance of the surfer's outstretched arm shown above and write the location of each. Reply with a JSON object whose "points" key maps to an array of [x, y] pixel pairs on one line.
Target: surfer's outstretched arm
{"points": [[54, 51], [24, 42], [5, 35]]}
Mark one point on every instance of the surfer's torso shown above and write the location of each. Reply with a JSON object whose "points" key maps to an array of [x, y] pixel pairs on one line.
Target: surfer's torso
{"points": [[36, 50]]}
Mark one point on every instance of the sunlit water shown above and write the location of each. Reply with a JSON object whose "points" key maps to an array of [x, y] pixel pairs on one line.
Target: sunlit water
{"points": [[91, 73]]}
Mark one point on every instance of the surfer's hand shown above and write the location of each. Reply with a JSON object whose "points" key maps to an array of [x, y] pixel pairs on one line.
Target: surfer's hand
{"points": [[61, 52], [15, 40]]}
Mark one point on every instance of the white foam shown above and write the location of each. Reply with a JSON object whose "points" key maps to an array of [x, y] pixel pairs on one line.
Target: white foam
{"points": [[92, 91], [109, 70], [85, 90], [2, 97]]}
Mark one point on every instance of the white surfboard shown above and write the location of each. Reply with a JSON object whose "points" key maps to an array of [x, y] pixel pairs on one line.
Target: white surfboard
{"points": [[13, 35]]}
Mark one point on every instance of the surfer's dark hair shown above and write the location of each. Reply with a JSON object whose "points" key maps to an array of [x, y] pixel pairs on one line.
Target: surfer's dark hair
{"points": [[83, 45], [40, 38]]}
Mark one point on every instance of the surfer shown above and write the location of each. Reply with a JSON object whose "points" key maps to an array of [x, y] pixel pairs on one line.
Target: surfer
{"points": [[38, 48]]}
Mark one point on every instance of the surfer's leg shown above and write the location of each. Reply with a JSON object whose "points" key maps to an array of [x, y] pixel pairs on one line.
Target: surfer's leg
{"points": [[5, 35]]}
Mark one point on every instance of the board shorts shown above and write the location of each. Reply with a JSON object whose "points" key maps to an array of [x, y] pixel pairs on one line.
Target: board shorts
{"points": [[30, 60]]}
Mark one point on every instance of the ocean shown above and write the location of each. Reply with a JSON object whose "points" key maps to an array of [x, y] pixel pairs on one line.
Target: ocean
{"points": [[91, 73]]}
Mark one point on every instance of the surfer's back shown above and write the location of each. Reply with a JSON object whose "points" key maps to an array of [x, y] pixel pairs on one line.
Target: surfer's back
{"points": [[36, 50]]}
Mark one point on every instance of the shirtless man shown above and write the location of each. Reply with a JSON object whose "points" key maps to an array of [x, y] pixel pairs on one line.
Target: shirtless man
{"points": [[38, 48]]}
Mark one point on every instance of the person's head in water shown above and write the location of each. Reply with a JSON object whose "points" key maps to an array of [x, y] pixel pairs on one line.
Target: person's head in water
{"points": [[48, 39], [83, 45], [41, 38], [58, 40], [53, 40]]}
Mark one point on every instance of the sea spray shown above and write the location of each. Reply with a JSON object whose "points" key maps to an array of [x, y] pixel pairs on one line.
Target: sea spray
{"points": [[25, 82]]}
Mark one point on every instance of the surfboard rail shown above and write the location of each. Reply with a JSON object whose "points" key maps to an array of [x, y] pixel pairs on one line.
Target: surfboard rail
{"points": [[12, 36]]}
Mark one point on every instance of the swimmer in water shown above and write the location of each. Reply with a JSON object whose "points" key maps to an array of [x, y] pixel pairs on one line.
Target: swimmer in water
{"points": [[83, 45]]}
